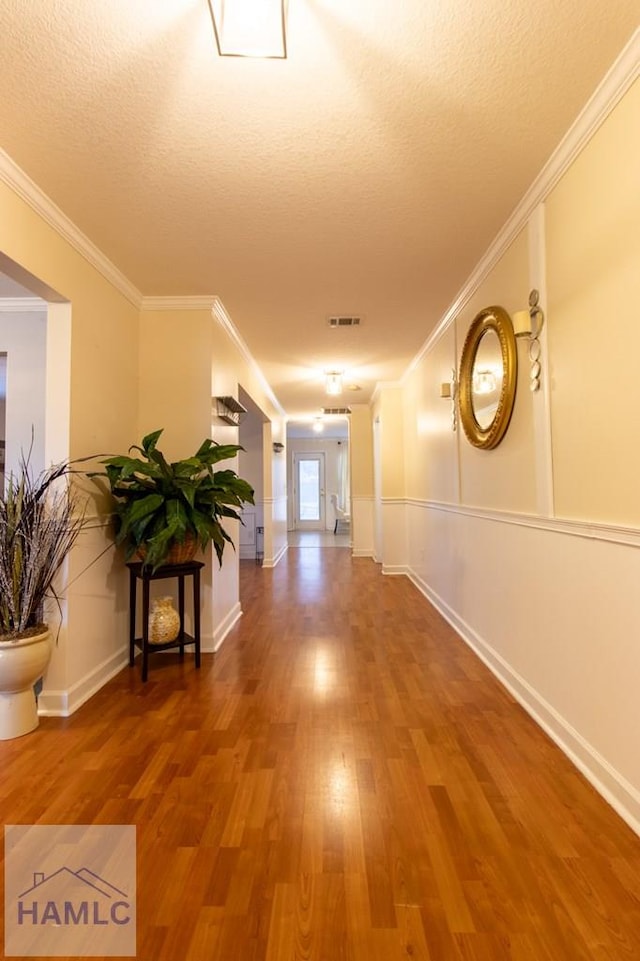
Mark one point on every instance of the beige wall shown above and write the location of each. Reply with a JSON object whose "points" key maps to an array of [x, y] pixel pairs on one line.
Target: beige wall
{"points": [[186, 359], [503, 477], [131, 371], [593, 249], [361, 451], [389, 474], [102, 402], [391, 412], [104, 344], [548, 599], [175, 379], [431, 461], [362, 486]]}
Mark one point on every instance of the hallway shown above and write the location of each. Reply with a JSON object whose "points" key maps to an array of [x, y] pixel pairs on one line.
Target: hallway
{"points": [[315, 539], [344, 780]]}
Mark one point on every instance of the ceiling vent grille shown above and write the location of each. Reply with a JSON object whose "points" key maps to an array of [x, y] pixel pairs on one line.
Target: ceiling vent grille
{"points": [[344, 321], [336, 410]]}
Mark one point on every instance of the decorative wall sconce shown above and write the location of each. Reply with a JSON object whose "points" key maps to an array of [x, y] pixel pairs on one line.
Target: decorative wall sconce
{"points": [[449, 391], [250, 28], [529, 323], [277, 447], [318, 425], [333, 382]]}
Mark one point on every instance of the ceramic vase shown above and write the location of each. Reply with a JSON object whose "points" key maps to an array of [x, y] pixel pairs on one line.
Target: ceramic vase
{"points": [[22, 663]]}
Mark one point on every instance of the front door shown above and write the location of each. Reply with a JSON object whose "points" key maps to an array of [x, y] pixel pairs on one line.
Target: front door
{"points": [[309, 491]]}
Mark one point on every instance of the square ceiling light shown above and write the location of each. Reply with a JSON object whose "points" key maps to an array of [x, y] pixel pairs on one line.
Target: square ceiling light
{"points": [[250, 28]]}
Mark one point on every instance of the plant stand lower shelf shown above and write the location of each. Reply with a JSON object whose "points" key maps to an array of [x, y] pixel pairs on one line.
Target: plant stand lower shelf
{"points": [[137, 572]]}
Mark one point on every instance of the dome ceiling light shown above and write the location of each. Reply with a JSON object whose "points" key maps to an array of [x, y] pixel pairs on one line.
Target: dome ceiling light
{"points": [[250, 28]]}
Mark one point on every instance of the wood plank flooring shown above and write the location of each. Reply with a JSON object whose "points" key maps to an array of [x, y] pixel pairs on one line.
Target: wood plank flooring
{"points": [[344, 781]]}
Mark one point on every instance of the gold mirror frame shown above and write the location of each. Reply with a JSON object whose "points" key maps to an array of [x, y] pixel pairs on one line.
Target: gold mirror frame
{"points": [[497, 320]]}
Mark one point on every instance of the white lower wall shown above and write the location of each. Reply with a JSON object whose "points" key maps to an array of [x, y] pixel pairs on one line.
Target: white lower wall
{"points": [[275, 544], [90, 627], [394, 536], [550, 607], [362, 514]]}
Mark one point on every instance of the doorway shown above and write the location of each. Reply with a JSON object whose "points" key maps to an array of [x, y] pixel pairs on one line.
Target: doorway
{"points": [[3, 415], [309, 491]]}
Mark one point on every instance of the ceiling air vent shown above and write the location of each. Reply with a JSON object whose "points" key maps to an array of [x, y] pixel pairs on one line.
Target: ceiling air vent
{"points": [[336, 410], [344, 321]]}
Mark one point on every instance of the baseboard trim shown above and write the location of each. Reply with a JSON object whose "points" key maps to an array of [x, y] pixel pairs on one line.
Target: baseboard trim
{"points": [[272, 561], [608, 782], [64, 703], [361, 552], [392, 570], [209, 645]]}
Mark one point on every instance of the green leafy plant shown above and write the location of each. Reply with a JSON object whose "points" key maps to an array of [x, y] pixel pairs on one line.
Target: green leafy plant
{"points": [[40, 520], [158, 504]]}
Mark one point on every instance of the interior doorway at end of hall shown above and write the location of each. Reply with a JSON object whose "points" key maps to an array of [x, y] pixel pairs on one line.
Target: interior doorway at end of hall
{"points": [[309, 491]]}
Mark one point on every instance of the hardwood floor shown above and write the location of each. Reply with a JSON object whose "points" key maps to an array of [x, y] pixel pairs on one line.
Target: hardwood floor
{"points": [[345, 781]]}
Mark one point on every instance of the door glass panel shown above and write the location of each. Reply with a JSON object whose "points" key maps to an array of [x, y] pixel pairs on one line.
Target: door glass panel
{"points": [[309, 489]]}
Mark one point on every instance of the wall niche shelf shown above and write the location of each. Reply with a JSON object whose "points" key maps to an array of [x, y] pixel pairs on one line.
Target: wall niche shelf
{"points": [[229, 410]]}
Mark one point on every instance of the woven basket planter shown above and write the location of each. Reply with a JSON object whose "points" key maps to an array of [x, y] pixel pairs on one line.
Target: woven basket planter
{"points": [[180, 552]]}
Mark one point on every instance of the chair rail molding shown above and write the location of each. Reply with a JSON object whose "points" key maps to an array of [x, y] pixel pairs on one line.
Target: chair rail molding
{"points": [[613, 534]]}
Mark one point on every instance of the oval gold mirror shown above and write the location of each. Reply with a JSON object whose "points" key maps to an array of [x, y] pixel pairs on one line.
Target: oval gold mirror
{"points": [[488, 375]]}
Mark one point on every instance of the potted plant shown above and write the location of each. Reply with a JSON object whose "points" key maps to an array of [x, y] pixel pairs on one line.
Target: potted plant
{"points": [[40, 520], [164, 511]]}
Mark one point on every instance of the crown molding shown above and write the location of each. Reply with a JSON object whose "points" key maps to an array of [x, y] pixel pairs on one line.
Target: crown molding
{"points": [[384, 385], [616, 82], [219, 312], [22, 305], [205, 302], [27, 190]]}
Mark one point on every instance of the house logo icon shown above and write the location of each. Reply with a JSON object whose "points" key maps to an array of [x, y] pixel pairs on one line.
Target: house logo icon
{"points": [[69, 897], [70, 890]]}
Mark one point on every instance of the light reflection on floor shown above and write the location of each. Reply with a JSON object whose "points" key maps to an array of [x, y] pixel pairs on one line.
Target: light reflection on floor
{"points": [[318, 539]]}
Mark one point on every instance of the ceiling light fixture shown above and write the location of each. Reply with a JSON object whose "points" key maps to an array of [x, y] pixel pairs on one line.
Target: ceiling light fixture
{"points": [[333, 382], [250, 28]]}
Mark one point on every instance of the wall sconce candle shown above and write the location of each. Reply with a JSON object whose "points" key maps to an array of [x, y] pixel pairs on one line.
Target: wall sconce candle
{"points": [[522, 323], [448, 391], [529, 323]]}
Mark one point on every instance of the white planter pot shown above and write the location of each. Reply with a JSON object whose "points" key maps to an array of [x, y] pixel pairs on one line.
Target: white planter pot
{"points": [[22, 663]]}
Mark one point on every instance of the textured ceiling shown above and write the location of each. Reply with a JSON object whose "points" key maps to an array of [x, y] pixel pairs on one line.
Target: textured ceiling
{"points": [[365, 174]]}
